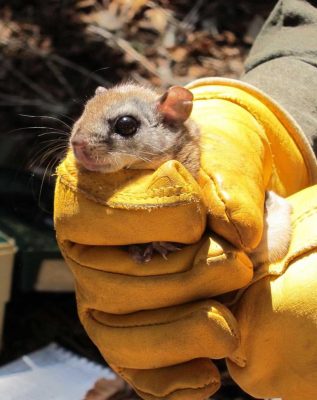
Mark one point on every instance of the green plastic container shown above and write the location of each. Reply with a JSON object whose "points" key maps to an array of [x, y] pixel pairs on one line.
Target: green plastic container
{"points": [[7, 251]]}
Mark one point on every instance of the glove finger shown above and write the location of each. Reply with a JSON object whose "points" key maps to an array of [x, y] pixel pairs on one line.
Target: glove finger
{"points": [[129, 206], [158, 338], [196, 380], [200, 271]]}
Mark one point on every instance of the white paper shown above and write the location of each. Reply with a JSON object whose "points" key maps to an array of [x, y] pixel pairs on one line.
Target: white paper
{"points": [[51, 373]]}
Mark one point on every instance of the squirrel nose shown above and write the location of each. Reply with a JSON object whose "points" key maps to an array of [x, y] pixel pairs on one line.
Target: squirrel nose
{"points": [[78, 142]]}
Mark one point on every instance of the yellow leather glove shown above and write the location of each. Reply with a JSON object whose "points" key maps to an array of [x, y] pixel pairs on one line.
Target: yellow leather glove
{"points": [[143, 317], [277, 317], [156, 323], [249, 145]]}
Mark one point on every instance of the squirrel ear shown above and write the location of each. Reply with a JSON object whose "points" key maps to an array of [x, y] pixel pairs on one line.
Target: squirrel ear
{"points": [[176, 104], [100, 89]]}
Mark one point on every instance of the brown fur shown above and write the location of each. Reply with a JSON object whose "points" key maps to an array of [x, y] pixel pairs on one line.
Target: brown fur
{"points": [[157, 141]]}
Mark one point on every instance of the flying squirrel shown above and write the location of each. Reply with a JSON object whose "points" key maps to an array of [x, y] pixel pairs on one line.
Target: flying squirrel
{"points": [[131, 126]]}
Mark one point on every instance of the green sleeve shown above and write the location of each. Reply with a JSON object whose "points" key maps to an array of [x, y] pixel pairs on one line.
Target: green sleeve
{"points": [[283, 61]]}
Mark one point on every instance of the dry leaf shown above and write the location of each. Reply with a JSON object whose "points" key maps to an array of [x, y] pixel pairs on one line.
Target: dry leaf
{"points": [[236, 66], [230, 37], [230, 51], [156, 18], [104, 389], [129, 7], [179, 54], [197, 71], [108, 19], [169, 39], [253, 29], [212, 63], [85, 3]]}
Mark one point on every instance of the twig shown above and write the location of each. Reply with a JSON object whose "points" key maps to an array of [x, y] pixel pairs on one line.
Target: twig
{"points": [[192, 15], [169, 15], [127, 48], [139, 79], [60, 77], [85, 3], [80, 69], [14, 101], [32, 85]]}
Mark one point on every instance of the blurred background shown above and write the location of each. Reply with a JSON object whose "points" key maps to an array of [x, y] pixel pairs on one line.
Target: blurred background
{"points": [[53, 55]]}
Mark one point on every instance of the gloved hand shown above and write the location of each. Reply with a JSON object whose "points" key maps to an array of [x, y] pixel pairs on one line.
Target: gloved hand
{"points": [[276, 354], [143, 317], [277, 317], [249, 145], [156, 323]]}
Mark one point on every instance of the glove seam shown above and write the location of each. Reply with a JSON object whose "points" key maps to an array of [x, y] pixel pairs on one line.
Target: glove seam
{"points": [[303, 216], [226, 210], [191, 198], [239, 360], [188, 316], [211, 383]]}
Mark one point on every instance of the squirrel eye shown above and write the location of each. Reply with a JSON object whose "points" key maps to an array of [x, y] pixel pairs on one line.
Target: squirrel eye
{"points": [[126, 125]]}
